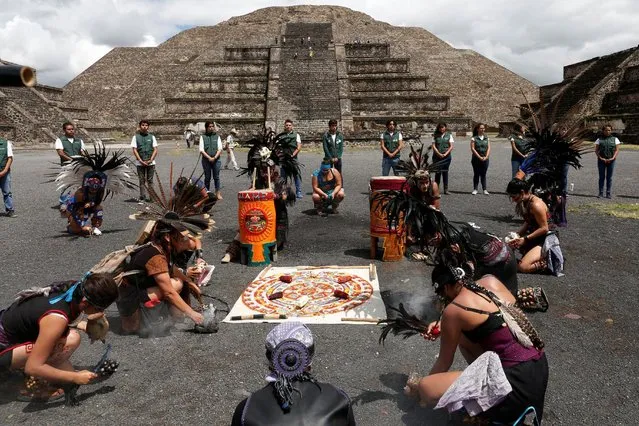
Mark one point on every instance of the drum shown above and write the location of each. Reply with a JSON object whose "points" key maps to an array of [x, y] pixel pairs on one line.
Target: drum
{"points": [[256, 217], [394, 238]]}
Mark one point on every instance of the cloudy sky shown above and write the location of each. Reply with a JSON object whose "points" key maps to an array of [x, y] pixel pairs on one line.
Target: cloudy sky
{"points": [[534, 38]]}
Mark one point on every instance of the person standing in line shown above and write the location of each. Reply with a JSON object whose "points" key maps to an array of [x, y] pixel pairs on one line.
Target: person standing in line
{"points": [[519, 146], [480, 150], [442, 149], [293, 141], [211, 150], [606, 149], [6, 159], [229, 146], [67, 146], [333, 143], [391, 143], [145, 150]]}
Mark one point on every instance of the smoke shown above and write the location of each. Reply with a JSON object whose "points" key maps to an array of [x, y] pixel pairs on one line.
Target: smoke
{"points": [[210, 323]]}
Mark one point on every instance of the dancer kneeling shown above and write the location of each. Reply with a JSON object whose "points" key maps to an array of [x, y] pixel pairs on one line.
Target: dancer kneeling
{"points": [[35, 334], [479, 321], [532, 234], [292, 395], [327, 188], [156, 280], [152, 283]]}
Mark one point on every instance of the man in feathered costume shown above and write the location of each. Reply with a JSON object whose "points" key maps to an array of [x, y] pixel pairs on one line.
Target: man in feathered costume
{"points": [[94, 177], [269, 154], [153, 284]]}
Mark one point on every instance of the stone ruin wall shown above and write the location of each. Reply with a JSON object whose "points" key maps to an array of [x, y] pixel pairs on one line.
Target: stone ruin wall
{"points": [[230, 73]]}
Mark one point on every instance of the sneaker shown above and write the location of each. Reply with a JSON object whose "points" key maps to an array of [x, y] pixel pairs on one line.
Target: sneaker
{"points": [[236, 169], [608, 196], [218, 195], [11, 213], [299, 195], [600, 195], [226, 167], [486, 192], [140, 201], [226, 258], [96, 231], [474, 192]]}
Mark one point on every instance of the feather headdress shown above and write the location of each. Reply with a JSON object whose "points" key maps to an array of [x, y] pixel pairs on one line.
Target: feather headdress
{"points": [[268, 152], [102, 169], [405, 324], [181, 211]]}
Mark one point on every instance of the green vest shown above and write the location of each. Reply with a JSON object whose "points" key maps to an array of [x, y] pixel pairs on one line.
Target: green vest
{"points": [[333, 150], [442, 143], [4, 147], [391, 142], [290, 140], [521, 144], [607, 147], [145, 145], [71, 148], [481, 145], [210, 143]]}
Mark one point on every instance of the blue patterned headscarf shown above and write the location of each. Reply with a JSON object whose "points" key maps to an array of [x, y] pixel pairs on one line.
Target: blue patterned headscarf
{"points": [[290, 348]]}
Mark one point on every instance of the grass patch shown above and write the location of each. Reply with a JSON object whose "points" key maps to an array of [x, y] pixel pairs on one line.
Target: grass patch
{"points": [[625, 211]]}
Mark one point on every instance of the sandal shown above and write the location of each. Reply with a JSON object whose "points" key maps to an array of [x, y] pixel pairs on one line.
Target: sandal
{"points": [[41, 396], [532, 299]]}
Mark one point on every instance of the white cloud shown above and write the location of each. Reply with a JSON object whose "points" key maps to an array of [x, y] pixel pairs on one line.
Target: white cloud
{"points": [[534, 39]]}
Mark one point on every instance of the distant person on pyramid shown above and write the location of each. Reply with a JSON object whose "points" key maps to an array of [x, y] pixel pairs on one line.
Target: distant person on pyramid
{"points": [[391, 142], [145, 150], [333, 144], [211, 150], [67, 147]]}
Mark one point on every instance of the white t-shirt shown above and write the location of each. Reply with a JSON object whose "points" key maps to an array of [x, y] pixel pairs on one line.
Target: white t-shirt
{"points": [[230, 142], [134, 144], [9, 149], [381, 136], [219, 143], [58, 143], [617, 141]]}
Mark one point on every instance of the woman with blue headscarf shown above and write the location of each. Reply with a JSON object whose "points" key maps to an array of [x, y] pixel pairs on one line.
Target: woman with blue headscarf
{"points": [[35, 334], [292, 395], [327, 188]]}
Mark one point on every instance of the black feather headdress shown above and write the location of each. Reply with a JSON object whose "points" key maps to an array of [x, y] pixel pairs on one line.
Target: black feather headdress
{"points": [[268, 152], [181, 211], [405, 324], [108, 167]]}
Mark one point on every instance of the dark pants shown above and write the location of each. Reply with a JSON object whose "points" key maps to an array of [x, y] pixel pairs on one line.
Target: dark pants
{"points": [[214, 170], [298, 182], [5, 186], [605, 173], [479, 172], [515, 164], [338, 166], [443, 165], [145, 178]]}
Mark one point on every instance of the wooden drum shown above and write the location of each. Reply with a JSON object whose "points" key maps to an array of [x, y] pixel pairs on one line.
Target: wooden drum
{"points": [[394, 238], [256, 217]]}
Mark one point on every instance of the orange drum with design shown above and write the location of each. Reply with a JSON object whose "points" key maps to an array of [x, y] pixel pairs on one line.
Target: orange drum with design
{"points": [[256, 217], [394, 238]]}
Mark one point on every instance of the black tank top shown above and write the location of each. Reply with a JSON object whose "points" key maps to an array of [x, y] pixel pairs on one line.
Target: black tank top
{"points": [[318, 404], [21, 321]]}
